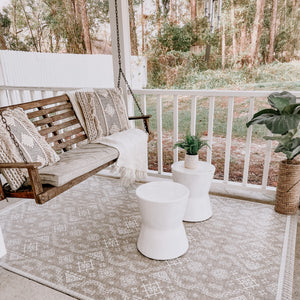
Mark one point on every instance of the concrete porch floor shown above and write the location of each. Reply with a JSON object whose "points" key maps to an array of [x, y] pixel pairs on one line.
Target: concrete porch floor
{"points": [[16, 287]]}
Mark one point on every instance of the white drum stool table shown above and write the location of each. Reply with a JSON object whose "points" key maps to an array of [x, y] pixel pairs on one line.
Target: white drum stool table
{"points": [[162, 206], [198, 182]]}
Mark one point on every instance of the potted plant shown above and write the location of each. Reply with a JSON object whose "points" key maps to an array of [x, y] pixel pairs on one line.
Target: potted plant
{"points": [[191, 144], [283, 120]]}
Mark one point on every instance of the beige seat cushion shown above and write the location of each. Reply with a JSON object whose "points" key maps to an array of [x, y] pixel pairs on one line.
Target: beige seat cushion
{"points": [[77, 162]]}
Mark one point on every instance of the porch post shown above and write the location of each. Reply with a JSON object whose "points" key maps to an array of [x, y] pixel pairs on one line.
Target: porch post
{"points": [[124, 36]]}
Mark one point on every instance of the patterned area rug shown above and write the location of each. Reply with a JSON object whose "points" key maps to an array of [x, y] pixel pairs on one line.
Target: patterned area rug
{"points": [[83, 243]]}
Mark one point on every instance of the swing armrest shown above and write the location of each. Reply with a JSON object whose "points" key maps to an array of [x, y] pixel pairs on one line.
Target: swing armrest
{"points": [[16, 165], [140, 117], [33, 173]]}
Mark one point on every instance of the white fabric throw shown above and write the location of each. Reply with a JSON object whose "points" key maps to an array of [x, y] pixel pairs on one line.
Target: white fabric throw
{"points": [[132, 163]]}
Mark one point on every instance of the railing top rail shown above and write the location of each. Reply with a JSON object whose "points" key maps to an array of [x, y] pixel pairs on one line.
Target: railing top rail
{"points": [[229, 93], [199, 93]]}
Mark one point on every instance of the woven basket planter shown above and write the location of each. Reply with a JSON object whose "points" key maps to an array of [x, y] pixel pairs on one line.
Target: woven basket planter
{"points": [[288, 188]]}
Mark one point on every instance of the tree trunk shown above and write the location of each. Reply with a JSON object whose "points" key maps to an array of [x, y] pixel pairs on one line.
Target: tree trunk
{"points": [[193, 10], [223, 48], [171, 12], [29, 26], [219, 14], [243, 38], [85, 26], [74, 39], [2, 41], [272, 32], [232, 19], [143, 26], [133, 36], [158, 17], [256, 32]]}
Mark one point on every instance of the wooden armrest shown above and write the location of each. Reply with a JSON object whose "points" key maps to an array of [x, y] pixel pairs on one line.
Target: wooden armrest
{"points": [[31, 165], [140, 117]]}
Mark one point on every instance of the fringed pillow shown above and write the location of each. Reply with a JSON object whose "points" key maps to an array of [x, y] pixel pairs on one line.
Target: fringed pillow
{"points": [[33, 145], [104, 112]]}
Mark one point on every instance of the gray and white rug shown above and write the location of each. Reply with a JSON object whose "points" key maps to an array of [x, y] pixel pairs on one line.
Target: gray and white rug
{"points": [[83, 243]]}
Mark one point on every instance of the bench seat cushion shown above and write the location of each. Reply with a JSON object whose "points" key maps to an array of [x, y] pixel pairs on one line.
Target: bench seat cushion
{"points": [[77, 162]]}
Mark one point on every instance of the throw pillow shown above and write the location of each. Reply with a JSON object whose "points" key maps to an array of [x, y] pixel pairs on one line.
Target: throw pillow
{"points": [[33, 145], [104, 112]]}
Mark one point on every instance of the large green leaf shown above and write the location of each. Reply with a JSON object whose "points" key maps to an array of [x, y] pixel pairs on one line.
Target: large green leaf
{"points": [[281, 124], [281, 100], [259, 117], [291, 150], [292, 109]]}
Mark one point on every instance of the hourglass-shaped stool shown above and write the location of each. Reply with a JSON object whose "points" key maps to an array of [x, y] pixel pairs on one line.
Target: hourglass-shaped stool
{"points": [[162, 205]]}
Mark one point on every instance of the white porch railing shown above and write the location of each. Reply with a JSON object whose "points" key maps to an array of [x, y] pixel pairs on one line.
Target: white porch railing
{"points": [[156, 100]]}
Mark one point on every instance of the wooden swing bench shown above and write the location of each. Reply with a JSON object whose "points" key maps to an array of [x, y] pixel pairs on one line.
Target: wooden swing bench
{"points": [[56, 120]]}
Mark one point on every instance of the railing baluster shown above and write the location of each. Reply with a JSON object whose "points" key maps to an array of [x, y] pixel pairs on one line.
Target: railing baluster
{"points": [[144, 104], [248, 143], [228, 138], [175, 126], [193, 115], [267, 163], [159, 134], [210, 129]]}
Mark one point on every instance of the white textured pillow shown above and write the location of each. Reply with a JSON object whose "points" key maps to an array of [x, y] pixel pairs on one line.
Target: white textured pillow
{"points": [[33, 145], [104, 112]]}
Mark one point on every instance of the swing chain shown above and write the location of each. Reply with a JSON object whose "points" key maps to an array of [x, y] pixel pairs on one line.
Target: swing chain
{"points": [[13, 137], [121, 70]]}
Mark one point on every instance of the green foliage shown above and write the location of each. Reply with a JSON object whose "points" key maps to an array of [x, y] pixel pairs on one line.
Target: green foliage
{"points": [[175, 37], [282, 119], [191, 144], [4, 20], [289, 143]]}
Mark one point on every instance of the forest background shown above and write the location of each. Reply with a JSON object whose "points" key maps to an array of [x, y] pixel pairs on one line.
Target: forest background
{"points": [[190, 44]]}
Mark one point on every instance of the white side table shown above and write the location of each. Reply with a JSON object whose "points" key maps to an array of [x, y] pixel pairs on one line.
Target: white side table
{"points": [[162, 205], [198, 181]]}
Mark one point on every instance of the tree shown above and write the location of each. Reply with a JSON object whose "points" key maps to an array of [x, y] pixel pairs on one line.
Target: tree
{"points": [[193, 4], [4, 26], [85, 26], [273, 31], [232, 18], [133, 36], [256, 32]]}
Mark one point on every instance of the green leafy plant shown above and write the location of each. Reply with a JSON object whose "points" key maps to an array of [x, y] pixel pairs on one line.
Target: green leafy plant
{"points": [[191, 144], [283, 120]]}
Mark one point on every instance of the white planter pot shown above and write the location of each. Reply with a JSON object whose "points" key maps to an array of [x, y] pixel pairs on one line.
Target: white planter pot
{"points": [[190, 161]]}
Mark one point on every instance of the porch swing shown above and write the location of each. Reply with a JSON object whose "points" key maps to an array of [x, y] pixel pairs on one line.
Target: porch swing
{"points": [[55, 119]]}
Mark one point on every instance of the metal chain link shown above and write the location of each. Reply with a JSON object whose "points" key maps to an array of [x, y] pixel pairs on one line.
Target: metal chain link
{"points": [[13, 137], [120, 66]]}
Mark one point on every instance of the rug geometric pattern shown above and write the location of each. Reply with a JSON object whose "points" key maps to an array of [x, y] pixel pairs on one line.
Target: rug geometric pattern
{"points": [[83, 243]]}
